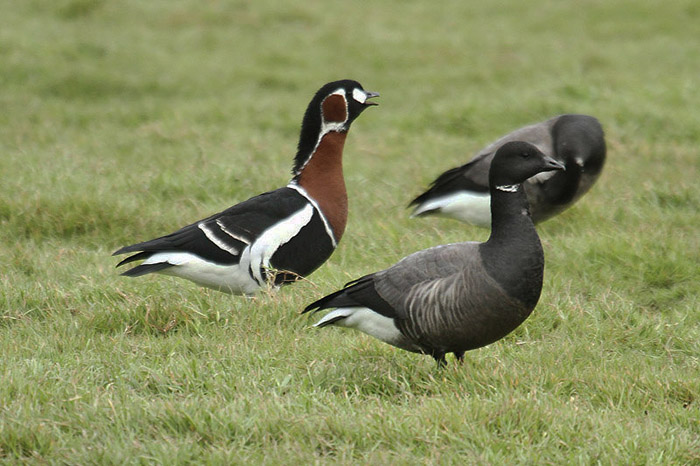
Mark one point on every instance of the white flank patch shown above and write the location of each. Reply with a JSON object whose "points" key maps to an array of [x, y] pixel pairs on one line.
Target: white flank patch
{"points": [[258, 254], [327, 225], [367, 321], [227, 278], [465, 206], [220, 244]]}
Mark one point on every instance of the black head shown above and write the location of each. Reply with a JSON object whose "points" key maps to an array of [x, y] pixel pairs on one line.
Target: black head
{"points": [[516, 161], [334, 107], [579, 142]]}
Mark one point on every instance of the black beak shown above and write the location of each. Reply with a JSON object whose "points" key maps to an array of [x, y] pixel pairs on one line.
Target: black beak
{"points": [[371, 95], [551, 164]]}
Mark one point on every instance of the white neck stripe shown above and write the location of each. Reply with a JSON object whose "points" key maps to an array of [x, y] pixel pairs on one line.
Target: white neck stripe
{"points": [[326, 127], [293, 185]]}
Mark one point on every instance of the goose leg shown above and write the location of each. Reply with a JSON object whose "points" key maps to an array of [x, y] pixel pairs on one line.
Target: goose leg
{"points": [[459, 355], [440, 359]]}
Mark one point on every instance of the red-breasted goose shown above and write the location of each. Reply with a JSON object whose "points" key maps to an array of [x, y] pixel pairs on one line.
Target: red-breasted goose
{"points": [[275, 237], [577, 141], [457, 297]]}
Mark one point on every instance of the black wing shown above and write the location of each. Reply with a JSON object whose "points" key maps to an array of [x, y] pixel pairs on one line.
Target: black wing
{"points": [[357, 293], [221, 237], [386, 291], [472, 176]]}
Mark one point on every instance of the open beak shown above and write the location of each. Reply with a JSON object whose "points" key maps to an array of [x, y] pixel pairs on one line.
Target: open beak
{"points": [[371, 95], [551, 164]]}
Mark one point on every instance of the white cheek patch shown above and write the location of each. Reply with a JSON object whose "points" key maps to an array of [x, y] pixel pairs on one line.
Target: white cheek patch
{"points": [[359, 95]]}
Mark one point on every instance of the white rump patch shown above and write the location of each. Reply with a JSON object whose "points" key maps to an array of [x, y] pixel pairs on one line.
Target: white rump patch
{"points": [[365, 320], [465, 206]]}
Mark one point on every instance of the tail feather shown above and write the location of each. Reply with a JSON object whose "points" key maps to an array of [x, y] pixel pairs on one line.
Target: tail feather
{"points": [[135, 257], [421, 211], [357, 293], [143, 269], [325, 302]]}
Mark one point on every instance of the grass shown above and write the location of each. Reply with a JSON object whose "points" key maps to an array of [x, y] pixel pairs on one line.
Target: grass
{"points": [[125, 120]]}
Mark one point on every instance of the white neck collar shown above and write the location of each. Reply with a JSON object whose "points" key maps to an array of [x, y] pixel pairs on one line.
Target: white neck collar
{"points": [[508, 188]]}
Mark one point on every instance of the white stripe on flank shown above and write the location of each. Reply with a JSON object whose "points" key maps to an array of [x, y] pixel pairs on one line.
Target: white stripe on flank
{"points": [[230, 233], [258, 254], [211, 236], [303, 192]]}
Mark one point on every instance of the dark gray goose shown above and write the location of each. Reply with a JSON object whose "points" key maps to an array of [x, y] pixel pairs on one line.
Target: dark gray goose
{"points": [[457, 297], [577, 141]]}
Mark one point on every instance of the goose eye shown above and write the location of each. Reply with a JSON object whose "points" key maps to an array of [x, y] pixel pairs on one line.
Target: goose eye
{"points": [[526, 155]]}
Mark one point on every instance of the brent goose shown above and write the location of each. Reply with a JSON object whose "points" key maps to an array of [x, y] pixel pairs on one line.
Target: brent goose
{"points": [[577, 141], [457, 297]]}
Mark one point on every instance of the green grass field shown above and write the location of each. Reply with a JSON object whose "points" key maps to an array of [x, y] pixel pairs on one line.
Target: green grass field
{"points": [[121, 121]]}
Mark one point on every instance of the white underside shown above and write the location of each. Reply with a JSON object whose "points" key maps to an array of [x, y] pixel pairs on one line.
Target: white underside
{"points": [[465, 206], [228, 278], [367, 321]]}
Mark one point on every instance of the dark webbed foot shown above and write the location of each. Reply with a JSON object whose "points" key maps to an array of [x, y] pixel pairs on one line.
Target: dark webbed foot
{"points": [[440, 359], [459, 356]]}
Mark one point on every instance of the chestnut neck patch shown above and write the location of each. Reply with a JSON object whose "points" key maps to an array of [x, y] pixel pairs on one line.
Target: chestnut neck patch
{"points": [[322, 178], [334, 109]]}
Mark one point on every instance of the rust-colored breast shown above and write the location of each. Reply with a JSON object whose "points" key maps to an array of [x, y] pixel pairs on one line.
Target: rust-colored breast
{"points": [[334, 109], [322, 178]]}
